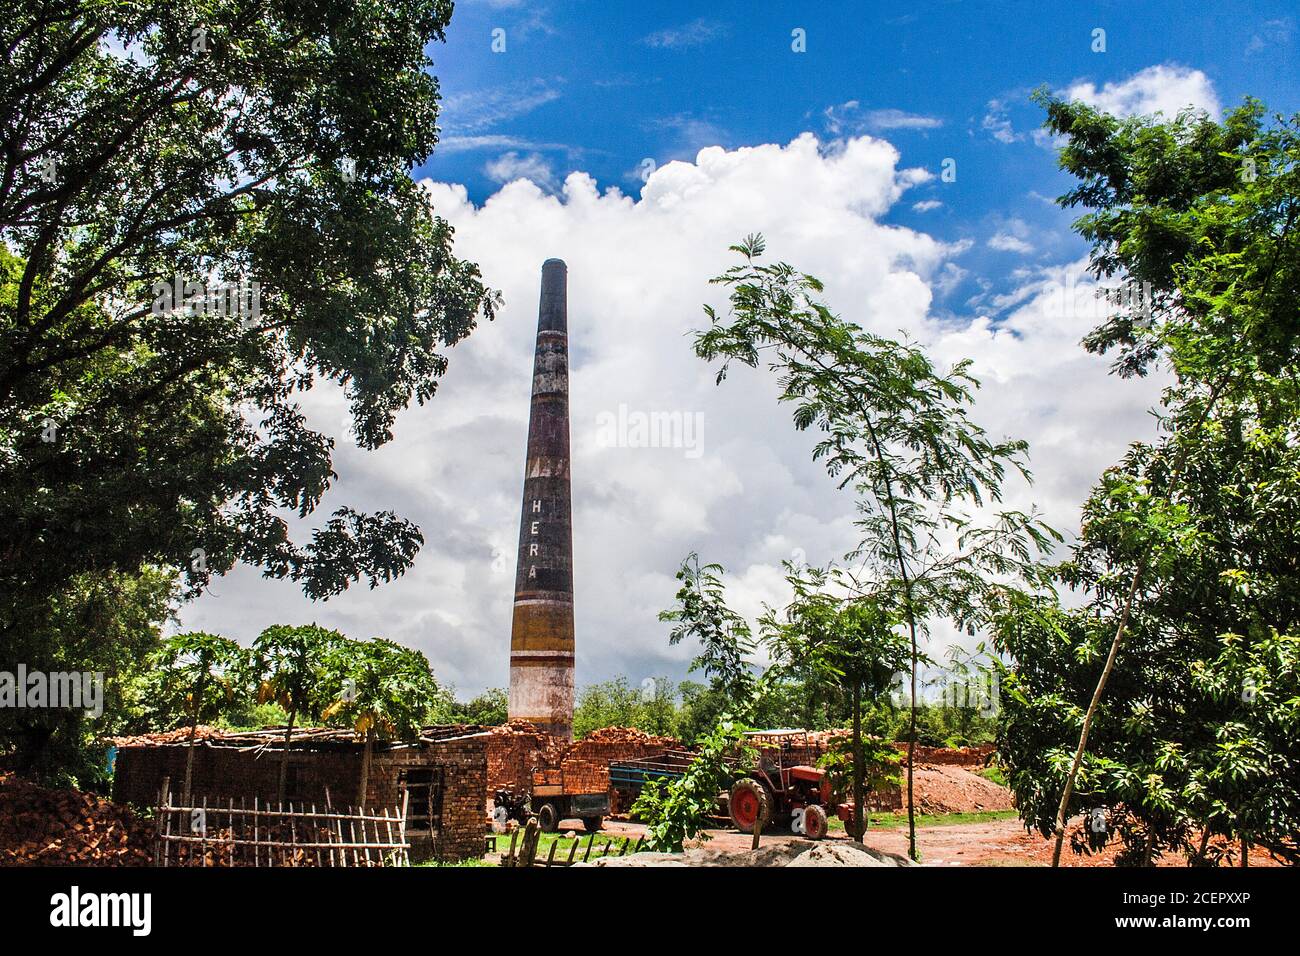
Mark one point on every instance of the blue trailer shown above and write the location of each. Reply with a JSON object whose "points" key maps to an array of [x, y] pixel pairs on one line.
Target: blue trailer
{"points": [[628, 777]]}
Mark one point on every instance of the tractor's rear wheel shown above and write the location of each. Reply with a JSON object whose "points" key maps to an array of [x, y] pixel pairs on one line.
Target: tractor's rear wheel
{"points": [[814, 822], [548, 818], [749, 802]]}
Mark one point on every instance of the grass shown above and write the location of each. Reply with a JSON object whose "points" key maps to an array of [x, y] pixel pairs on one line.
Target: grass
{"points": [[563, 844], [994, 775], [892, 821], [544, 842]]}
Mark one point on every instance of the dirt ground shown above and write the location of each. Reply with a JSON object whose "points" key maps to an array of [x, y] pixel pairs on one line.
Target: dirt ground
{"points": [[991, 843]]}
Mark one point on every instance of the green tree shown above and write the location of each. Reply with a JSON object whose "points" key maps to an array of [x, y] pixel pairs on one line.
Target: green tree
{"points": [[149, 144], [657, 713], [679, 810], [1191, 537], [850, 644], [897, 431], [701, 709], [490, 708], [724, 636], [613, 703], [202, 675], [292, 667], [381, 690], [102, 623]]}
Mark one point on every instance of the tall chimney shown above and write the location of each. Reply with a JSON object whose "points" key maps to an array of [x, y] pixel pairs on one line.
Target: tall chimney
{"points": [[541, 634]]}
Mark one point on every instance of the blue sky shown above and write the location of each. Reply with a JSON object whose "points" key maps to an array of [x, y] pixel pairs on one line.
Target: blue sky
{"points": [[603, 87], [982, 268]]}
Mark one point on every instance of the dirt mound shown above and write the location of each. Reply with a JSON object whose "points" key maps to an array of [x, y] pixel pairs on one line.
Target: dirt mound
{"points": [[942, 788], [838, 853], [40, 827]]}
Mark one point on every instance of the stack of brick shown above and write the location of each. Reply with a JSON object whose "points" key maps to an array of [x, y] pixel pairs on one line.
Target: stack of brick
{"points": [[40, 827], [518, 749], [949, 756], [519, 753], [586, 763]]}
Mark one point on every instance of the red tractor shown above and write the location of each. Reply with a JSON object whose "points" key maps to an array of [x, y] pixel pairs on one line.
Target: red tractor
{"points": [[795, 795]]}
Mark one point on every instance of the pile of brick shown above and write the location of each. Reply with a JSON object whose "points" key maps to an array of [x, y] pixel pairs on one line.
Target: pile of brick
{"points": [[949, 756], [519, 752], [40, 827], [798, 747], [518, 749], [585, 765], [178, 736]]}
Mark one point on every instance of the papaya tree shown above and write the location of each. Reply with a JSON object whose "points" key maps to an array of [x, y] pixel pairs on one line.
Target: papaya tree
{"points": [[381, 690], [202, 675], [291, 664]]}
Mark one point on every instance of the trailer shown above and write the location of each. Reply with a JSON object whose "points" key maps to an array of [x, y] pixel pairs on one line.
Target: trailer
{"points": [[551, 804], [627, 778]]}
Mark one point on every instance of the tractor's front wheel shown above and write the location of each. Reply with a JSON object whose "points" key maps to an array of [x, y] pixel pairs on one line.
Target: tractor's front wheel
{"points": [[814, 822], [749, 803]]}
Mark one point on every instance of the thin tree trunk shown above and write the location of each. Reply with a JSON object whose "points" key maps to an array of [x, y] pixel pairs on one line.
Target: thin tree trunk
{"points": [[859, 811], [1245, 852], [1205, 844], [365, 769], [911, 742], [1068, 792], [284, 757], [189, 750], [189, 763]]}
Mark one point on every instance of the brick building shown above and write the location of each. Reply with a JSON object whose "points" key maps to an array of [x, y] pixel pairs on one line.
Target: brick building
{"points": [[444, 772]]}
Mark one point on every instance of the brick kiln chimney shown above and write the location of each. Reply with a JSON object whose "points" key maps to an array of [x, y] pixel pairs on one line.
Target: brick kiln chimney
{"points": [[541, 634]]}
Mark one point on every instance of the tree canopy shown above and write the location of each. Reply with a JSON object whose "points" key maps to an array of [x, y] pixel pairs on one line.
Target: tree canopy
{"points": [[158, 156], [1186, 563]]}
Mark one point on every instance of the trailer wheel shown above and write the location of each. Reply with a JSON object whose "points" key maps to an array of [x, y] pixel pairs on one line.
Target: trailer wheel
{"points": [[592, 824], [548, 818], [748, 803], [814, 822]]}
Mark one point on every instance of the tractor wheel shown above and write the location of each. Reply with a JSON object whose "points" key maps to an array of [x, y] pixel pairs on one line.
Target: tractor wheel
{"points": [[814, 822], [548, 818], [592, 824], [749, 803], [851, 829]]}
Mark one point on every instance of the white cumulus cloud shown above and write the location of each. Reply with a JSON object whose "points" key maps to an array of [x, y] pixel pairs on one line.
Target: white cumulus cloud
{"points": [[748, 494], [1164, 88]]}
